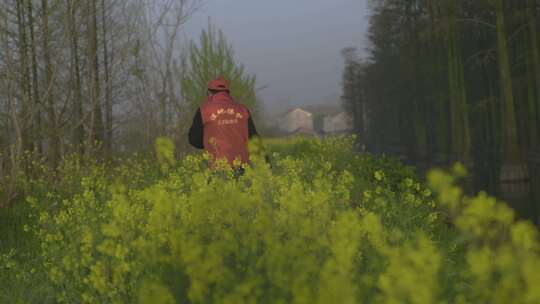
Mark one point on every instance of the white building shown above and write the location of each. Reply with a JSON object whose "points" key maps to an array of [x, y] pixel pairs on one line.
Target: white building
{"points": [[296, 120]]}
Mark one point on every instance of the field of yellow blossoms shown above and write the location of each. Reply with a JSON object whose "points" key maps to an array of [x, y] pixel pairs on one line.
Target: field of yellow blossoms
{"points": [[323, 224]]}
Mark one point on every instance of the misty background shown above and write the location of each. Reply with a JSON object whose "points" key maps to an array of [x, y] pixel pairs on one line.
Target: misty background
{"points": [[293, 47]]}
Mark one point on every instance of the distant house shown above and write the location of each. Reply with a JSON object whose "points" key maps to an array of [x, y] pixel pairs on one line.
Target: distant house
{"points": [[319, 120], [296, 121], [338, 123]]}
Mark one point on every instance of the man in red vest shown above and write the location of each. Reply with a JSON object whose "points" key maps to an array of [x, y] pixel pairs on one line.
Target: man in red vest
{"points": [[222, 126]]}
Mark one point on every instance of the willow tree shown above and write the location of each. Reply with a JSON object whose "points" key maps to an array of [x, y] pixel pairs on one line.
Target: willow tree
{"points": [[211, 58]]}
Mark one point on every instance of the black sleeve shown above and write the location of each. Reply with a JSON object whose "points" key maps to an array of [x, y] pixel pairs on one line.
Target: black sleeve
{"points": [[251, 127], [196, 131]]}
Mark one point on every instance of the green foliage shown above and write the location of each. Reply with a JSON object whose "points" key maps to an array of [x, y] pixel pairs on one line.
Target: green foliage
{"points": [[324, 225], [500, 250], [211, 58], [165, 153]]}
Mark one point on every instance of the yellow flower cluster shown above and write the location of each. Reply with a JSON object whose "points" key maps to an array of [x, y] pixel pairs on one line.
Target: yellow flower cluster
{"points": [[323, 225]]}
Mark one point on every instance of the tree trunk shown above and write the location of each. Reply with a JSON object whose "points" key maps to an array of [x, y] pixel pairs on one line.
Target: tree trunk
{"points": [[455, 119], [535, 56], [54, 137], [16, 149], [532, 125], [96, 125], [108, 87], [461, 137], [509, 136], [419, 104], [441, 107], [454, 115], [78, 134], [36, 104], [465, 152], [359, 114], [25, 78]]}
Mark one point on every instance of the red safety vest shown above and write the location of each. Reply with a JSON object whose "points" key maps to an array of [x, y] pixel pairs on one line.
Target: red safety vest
{"points": [[225, 128]]}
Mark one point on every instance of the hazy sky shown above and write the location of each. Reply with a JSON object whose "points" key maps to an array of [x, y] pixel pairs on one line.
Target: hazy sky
{"points": [[293, 46]]}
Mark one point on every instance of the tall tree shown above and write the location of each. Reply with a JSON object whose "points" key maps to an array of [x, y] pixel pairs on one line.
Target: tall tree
{"points": [[461, 140], [214, 57], [49, 89], [108, 136], [510, 137], [36, 104], [78, 118], [353, 89], [64, 76], [25, 86], [460, 77], [96, 120], [533, 68]]}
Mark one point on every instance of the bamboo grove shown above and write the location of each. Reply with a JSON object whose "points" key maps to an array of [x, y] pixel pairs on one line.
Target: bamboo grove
{"points": [[456, 80]]}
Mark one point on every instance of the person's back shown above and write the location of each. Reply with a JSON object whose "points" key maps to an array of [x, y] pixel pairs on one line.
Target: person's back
{"points": [[222, 126], [225, 133]]}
